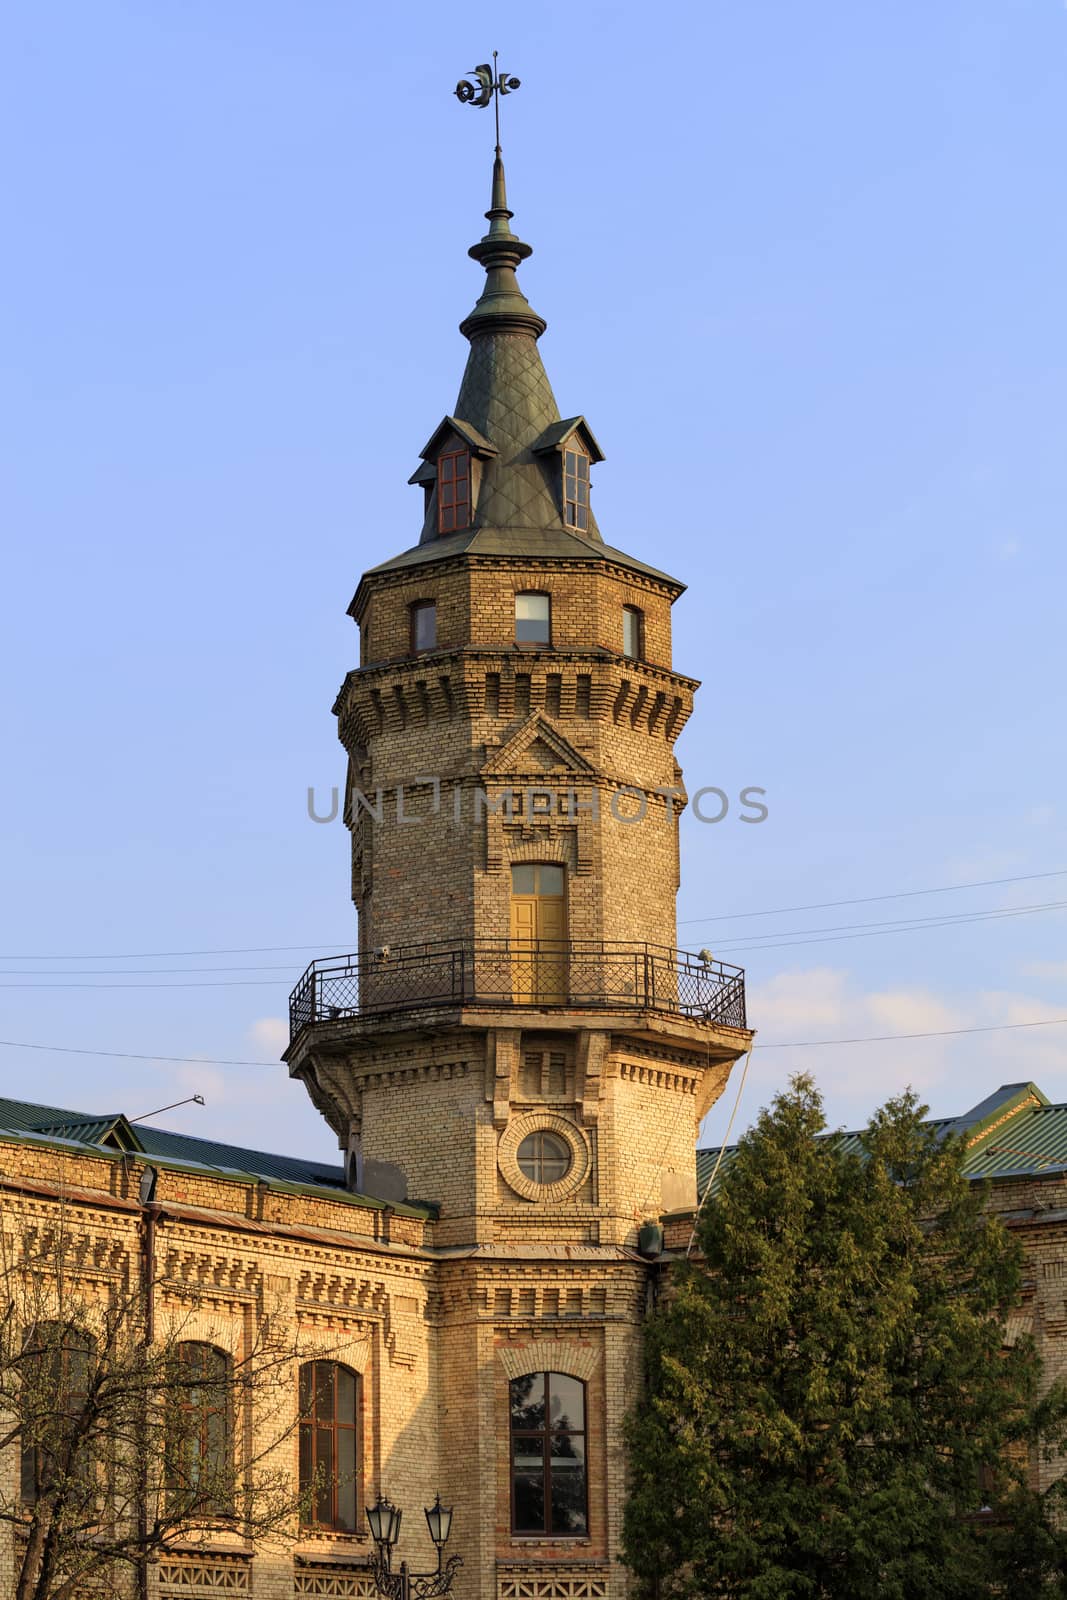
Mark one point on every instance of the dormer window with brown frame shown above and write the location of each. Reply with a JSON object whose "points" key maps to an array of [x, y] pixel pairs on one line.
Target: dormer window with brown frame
{"points": [[576, 489], [453, 491]]}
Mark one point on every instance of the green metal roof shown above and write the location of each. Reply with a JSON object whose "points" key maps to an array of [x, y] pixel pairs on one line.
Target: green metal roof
{"points": [[111, 1134], [1007, 1136], [20, 1115], [559, 544]]}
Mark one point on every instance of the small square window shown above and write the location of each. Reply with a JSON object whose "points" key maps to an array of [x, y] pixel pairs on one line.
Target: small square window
{"points": [[423, 626], [633, 633], [533, 624], [575, 489]]}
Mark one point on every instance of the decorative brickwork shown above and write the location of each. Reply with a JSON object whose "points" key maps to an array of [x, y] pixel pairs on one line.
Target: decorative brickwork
{"points": [[193, 1577], [330, 1583], [558, 1583]]}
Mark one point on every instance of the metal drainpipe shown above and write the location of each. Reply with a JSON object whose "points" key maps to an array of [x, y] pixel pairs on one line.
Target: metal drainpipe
{"points": [[148, 1274]]}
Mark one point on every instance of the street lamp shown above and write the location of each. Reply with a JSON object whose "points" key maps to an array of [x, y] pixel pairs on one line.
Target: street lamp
{"points": [[383, 1519]]}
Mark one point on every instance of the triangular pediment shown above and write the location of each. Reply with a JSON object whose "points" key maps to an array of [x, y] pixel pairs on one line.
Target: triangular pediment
{"points": [[558, 435], [538, 746]]}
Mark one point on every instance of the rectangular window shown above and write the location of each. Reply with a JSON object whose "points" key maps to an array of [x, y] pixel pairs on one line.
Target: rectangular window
{"points": [[575, 489], [532, 619], [424, 626], [633, 633], [453, 491]]}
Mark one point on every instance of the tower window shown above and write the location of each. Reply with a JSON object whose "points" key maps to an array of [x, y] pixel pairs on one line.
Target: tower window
{"points": [[548, 1483], [544, 1157], [453, 491], [575, 489], [423, 625], [533, 619], [633, 633]]}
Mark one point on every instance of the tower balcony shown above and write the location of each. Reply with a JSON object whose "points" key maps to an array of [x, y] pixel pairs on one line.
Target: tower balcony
{"points": [[521, 978]]}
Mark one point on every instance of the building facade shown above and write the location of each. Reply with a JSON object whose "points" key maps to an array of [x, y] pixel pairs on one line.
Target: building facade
{"points": [[514, 1063]]}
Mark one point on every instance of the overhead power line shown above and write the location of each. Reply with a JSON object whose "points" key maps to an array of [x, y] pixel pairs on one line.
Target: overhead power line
{"points": [[791, 1044], [936, 1033], [132, 1055], [168, 955], [128, 972], [873, 929], [752, 946], [342, 944], [869, 899], [225, 983]]}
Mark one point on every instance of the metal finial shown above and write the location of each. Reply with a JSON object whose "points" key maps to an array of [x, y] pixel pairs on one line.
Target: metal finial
{"points": [[490, 85]]}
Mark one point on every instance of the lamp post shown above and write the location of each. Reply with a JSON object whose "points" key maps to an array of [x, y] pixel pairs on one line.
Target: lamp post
{"points": [[384, 1518]]}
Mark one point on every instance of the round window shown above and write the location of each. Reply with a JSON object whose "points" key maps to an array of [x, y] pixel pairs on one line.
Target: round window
{"points": [[544, 1157]]}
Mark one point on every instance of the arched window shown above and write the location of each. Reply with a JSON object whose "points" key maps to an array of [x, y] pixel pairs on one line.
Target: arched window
{"points": [[329, 1395], [548, 1456], [56, 1358], [200, 1459]]}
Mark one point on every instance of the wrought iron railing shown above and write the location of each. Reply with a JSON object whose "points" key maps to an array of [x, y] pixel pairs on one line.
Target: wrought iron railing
{"points": [[579, 974]]}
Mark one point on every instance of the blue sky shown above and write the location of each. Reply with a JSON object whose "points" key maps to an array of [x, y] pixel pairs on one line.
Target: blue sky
{"points": [[803, 269]]}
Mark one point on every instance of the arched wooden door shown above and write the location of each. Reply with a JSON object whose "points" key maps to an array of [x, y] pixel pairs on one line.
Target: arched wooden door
{"points": [[538, 934]]}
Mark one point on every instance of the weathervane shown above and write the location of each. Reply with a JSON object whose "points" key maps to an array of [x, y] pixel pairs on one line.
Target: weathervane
{"points": [[490, 85]]}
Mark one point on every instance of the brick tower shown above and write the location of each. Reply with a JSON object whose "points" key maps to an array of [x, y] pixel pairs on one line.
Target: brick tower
{"points": [[517, 1039]]}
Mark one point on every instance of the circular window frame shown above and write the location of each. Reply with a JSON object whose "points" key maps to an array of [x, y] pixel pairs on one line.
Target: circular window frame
{"points": [[536, 1122]]}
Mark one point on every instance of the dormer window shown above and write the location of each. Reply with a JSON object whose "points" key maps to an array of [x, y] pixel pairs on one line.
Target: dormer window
{"points": [[453, 491], [575, 489]]}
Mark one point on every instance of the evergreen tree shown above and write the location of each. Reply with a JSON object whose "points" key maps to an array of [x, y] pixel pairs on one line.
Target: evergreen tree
{"points": [[829, 1404]]}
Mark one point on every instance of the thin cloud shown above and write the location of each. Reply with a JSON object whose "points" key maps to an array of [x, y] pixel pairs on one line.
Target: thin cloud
{"points": [[270, 1033]]}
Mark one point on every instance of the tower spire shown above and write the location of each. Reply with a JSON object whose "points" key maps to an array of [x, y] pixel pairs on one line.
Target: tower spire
{"points": [[502, 305]]}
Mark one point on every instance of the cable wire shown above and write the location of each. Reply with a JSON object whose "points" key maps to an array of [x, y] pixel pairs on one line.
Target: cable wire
{"points": [[875, 930], [869, 899], [718, 1160], [160, 955], [132, 1055], [729, 916], [937, 1033]]}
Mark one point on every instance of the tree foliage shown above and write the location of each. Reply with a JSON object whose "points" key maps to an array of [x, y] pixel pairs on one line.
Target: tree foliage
{"points": [[132, 1422], [829, 1401]]}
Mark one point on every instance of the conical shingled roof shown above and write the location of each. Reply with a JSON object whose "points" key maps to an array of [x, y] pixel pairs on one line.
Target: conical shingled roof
{"points": [[506, 397]]}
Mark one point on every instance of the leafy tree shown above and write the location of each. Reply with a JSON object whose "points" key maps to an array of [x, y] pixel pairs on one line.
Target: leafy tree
{"points": [[829, 1404], [133, 1429]]}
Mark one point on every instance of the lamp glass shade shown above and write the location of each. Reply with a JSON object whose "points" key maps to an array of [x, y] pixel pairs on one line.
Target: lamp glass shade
{"points": [[439, 1521], [383, 1519]]}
